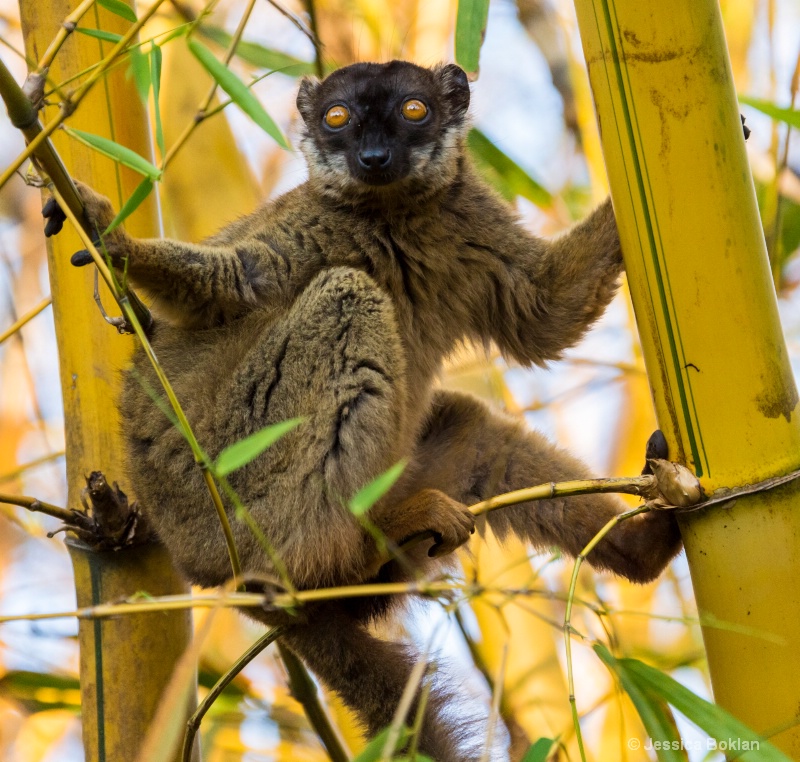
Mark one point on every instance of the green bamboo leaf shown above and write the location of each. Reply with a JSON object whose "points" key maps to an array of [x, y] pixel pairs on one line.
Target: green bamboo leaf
{"points": [[470, 30], [238, 91], [99, 34], [117, 152], [503, 172], [714, 720], [373, 751], [655, 715], [140, 68], [540, 751], [788, 115], [119, 8], [155, 73], [367, 496], [241, 453], [143, 190], [39, 691], [258, 55]]}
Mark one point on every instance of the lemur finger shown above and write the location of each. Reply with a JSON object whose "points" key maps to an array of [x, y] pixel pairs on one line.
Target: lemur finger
{"points": [[54, 217]]}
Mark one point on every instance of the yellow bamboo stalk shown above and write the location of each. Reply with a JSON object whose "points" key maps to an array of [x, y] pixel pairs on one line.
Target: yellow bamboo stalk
{"points": [[125, 663], [708, 319]]}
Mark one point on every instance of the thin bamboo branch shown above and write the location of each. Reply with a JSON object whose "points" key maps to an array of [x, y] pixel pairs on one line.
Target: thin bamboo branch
{"points": [[65, 30], [315, 41], [203, 107], [26, 318], [24, 117], [69, 104], [38, 506], [14, 473], [200, 457], [630, 485], [193, 725], [303, 689], [568, 630]]}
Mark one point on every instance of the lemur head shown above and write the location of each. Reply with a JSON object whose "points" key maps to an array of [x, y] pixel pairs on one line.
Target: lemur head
{"points": [[377, 129]]}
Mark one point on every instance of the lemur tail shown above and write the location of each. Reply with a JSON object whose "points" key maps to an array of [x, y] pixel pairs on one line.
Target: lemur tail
{"points": [[370, 676]]}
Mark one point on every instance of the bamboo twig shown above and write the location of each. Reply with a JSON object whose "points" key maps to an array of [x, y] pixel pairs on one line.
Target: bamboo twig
{"points": [[65, 30], [26, 318], [72, 101], [193, 724], [630, 485], [315, 41], [202, 109], [568, 615], [24, 117], [19, 470], [303, 689], [38, 506], [200, 457]]}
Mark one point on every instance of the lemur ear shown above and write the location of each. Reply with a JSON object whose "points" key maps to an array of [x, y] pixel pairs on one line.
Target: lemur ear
{"points": [[305, 98], [455, 86]]}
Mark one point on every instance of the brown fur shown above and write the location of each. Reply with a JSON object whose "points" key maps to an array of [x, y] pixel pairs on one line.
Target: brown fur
{"points": [[339, 301]]}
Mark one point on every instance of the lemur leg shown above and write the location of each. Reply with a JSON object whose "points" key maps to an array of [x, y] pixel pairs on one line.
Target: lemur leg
{"points": [[370, 676], [336, 360], [471, 453]]}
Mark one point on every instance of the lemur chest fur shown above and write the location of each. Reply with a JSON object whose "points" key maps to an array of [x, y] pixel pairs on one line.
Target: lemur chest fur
{"points": [[417, 257]]}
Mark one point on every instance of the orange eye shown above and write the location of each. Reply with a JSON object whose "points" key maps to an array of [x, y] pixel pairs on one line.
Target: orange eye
{"points": [[414, 110], [337, 116]]}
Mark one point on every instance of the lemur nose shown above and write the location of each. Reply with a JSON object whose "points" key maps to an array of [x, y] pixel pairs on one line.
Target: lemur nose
{"points": [[374, 158]]}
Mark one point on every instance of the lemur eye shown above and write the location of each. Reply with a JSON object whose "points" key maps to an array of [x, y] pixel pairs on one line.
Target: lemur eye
{"points": [[337, 116], [414, 110]]}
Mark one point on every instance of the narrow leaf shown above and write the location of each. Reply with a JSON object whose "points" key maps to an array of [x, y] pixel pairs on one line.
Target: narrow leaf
{"points": [[119, 8], [143, 190], [788, 115], [503, 172], [100, 34], [258, 55], [155, 74], [540, 751], [658, 722], [373, 751], [470, 30], [644, 680], [238, 91], [117, 152], [367, 496], [713, 719], [241, 453], [140, 68]]}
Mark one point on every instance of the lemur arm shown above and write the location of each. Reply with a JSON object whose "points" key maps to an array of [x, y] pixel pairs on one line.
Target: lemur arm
{"points": [[544, 295], [200, 284]]}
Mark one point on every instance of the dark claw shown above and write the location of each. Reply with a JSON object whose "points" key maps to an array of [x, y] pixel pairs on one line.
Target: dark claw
{"points": [[436, 548], [54, 216], [81, 258], [51, 205], [745, 128], [656, 448]]}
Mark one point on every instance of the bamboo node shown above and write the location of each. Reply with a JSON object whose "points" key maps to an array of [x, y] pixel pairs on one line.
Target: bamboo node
{"points": [[33, 89]]}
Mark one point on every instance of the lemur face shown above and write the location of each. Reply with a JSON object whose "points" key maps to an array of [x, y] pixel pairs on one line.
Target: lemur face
{"points": [[373, 125]]}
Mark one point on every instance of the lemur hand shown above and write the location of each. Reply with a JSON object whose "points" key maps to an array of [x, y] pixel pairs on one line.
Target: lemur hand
{"points": [[98, 215]]}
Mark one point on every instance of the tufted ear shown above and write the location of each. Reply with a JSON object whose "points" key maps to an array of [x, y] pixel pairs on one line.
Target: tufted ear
{"points": [[455, 87], [305, 98]]}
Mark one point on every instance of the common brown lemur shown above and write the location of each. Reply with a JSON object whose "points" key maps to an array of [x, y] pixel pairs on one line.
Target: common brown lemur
{"points": [[338, 302]]}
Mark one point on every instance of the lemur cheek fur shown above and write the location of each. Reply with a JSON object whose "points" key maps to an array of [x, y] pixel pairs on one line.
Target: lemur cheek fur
{"points": [[338, 302]]}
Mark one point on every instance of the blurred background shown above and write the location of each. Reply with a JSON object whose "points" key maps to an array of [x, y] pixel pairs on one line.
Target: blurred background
{"points": [[531, 101]]}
